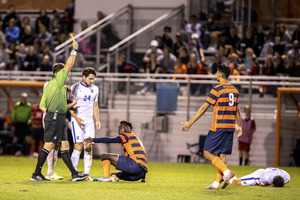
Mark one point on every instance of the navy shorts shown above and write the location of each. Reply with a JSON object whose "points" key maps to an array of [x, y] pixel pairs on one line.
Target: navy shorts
{"points": [[131, 171], [219, 142]]}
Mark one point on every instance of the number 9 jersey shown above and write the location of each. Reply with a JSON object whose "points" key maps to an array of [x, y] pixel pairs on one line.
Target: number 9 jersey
{"points": [[224, 98]]}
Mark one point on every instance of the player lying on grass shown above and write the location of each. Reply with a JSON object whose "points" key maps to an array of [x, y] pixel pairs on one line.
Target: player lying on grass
{"points": [[132, 166], [272, 177]]}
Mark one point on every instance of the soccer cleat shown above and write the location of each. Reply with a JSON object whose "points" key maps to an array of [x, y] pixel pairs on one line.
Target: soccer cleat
{"points": [[79, 176], [227, 178], [38, 177], [211, 187], [114, 178], [103, 179], [54, 176], [88, 179]]}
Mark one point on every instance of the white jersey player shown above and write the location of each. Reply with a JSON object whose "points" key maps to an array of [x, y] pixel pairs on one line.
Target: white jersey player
{"points": [[85, 116], [272, 177]]}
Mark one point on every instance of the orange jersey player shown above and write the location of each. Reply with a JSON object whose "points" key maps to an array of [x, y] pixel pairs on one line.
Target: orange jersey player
{"points": [[224, 99], [132, 166]]}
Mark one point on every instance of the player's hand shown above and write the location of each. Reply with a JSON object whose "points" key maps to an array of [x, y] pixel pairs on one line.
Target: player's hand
{"points": [[88, 140], [186, 126], [75, 45], [98, 125], [238, 131], [75, 102], [80, 121]]}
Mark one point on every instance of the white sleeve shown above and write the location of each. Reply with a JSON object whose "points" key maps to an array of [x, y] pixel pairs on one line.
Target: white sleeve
{"points": [[97, 94], [266, 178]]}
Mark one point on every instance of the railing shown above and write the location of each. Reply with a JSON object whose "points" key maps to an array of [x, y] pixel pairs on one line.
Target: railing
{"points": [[126, 42], [94, 29], [108, 82]]}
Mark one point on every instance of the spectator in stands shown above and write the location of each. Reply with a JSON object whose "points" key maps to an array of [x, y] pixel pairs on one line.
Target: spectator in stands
{"points": [[86, 46], [31, 60], [279, 65], [166, 38], [180, 68], [153, 49], [193, 26], [255, 70], [54, 27], [20, 119], [46, 50], [209, 32], [178, 43], [158, 38], [273, 32], [65, 23], [213, 67], [195, 67], [44, 36], [294, 69], [268, 70], [2, 37], [184, 55], [27, 38], [295, 52], [284, 34], [42, 19], [152, 67], [167, 61], [198, 45], [4, 57], [21, 53], [46, 64], [247, 41], [278, 46], [126, 66], [233, 41], [11, 14], [12, 50], [12, 32], [245, 140], [37, 130], [25, 22], [248, 60], [192, 49], [259, 40], [296, 33]]}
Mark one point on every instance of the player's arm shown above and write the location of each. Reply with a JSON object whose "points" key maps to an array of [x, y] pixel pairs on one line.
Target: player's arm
{"points": [[238, 130], [72, 103], [71, 60], [103, 140], [96, 115], [186, 125], [78, 119]]}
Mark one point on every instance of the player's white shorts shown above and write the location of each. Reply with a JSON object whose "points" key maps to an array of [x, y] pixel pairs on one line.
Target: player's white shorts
{"points": [[252, 179], [80, 133]]}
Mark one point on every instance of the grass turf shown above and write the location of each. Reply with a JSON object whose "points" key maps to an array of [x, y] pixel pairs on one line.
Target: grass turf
{"points": [[163, 181]]}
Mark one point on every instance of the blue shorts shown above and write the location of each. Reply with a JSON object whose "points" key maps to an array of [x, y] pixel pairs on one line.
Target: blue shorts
{"points": [[219, 142], [131, 171]]}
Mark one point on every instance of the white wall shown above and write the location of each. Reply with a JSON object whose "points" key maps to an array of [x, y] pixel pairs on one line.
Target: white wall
{"points": [[87, 9]]}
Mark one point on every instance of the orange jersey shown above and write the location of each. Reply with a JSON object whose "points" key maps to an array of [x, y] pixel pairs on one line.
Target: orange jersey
{"points": [[224, 98], [134, 149]]}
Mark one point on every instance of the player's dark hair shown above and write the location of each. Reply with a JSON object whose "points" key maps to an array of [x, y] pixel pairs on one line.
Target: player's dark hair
{"points": [[57, 67], [88, 70], [127, 123], [225, 70], [278, 181]]}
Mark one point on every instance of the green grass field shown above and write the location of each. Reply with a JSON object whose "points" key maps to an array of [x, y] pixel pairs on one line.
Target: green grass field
{"points": [[163, 181]]}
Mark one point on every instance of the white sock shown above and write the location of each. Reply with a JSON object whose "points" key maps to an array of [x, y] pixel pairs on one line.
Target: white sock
{"points": [[226, 172], [215, 184], [75, 158], [50, 163], [55, 157], [88, 159], [231, 180]]}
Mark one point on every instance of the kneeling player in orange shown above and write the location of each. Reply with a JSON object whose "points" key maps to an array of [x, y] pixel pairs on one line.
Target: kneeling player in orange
{"points": [[132, 166]]}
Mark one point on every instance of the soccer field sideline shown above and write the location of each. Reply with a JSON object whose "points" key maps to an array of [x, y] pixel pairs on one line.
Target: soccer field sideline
{"points": [[164, 181]]}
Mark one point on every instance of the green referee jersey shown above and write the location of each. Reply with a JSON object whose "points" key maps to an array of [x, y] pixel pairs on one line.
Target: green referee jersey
{"points": [[54, 95]]}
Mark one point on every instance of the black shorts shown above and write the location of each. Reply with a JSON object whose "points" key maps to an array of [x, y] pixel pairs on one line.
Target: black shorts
{"points": [[22, 130], [55, 130]]}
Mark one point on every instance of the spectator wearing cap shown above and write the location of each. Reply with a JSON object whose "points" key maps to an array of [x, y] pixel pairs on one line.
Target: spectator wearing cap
{"points": [[153, 49], [198, 45], [166, 38], [178, 43]]}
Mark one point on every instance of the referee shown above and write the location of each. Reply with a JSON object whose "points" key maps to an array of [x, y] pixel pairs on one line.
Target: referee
{"points": [[54, 105]]}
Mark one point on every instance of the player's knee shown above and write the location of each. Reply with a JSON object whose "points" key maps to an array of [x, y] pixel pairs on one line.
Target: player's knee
{"points": [[104, 156], [88, 149]]}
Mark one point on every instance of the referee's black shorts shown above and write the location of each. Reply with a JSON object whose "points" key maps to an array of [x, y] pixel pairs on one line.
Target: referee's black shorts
{"points": [[55, 130]]}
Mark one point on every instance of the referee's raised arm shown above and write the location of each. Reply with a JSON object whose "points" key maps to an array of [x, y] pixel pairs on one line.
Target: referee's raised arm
{"points": [[71, 60]]}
